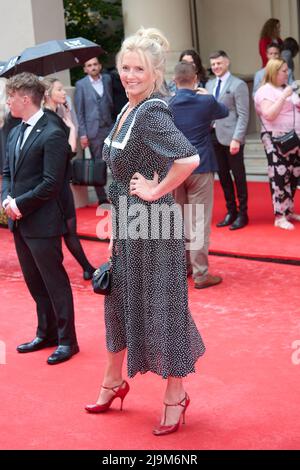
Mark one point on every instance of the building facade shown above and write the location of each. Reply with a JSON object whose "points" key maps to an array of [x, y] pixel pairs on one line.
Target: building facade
{"points": [[208, 25], [25, 23]]}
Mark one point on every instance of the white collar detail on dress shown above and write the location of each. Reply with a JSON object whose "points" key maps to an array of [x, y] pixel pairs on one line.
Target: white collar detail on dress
{"points": [[121, 145]]}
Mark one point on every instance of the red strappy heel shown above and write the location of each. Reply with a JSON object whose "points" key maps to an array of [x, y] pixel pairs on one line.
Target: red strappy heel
{"points": [[120, 391], [162, 429]]}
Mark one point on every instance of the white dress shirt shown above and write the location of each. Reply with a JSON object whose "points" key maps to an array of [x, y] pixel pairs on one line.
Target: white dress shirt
{"points": [[31, 123], [223, 79], [98, 85]]}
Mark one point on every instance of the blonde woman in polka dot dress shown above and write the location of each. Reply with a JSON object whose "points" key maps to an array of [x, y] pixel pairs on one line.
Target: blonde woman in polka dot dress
{"points": [[146, 313]]}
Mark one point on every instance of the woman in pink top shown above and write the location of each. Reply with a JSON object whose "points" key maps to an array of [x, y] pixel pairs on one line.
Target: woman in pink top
{"points": [[278, 107]]}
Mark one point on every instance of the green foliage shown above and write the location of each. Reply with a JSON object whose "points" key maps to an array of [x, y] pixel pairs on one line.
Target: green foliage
{"points": [[97, 20]]}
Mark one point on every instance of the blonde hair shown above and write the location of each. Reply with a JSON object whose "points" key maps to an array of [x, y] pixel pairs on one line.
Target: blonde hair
{"points": [[272, 68], [152, 46], [49, 84]]}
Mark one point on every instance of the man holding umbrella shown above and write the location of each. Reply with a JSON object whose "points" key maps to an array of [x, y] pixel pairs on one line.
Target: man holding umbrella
{"points": [[94, 107], [33, 175]]}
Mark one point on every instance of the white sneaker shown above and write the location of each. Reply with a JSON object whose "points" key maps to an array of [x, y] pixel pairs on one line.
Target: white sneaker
{"points": [[282, 222], [294, 216]]}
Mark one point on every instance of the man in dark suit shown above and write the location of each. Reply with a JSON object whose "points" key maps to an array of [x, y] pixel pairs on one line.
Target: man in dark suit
{"points": [[33, 175], [94, 108], [118, 92], [9, 123], [193, 114], [229, 139]]}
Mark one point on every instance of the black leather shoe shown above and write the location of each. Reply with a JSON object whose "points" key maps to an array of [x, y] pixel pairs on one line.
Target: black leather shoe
{"points": [[62, 354], [240, 222], [228, 219], [36, 344]]}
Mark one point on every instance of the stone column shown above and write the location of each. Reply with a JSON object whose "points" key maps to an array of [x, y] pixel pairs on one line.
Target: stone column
{"points": [[172, 17], [287, 11], [25, 23]]}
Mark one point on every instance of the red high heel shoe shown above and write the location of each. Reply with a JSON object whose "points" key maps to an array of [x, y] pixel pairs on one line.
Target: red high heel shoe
{"points": [[120, 391], [162, 429]]}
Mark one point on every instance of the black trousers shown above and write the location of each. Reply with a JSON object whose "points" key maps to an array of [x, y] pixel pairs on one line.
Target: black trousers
{"points": [[48, 283], [228, 163]]}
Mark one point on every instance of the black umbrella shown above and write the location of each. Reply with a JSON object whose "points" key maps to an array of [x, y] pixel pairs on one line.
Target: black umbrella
{"points": [[52, 56], [5, 67]]}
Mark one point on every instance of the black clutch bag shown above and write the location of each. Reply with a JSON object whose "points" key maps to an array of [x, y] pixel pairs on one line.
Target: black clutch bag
{"points": [[88, 172], [287, 142], [101, 280]]}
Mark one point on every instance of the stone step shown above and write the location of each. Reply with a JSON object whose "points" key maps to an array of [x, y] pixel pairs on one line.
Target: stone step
{"points": [[255, 159], [253, 154], [256, 171], [257, 177], [259, 163], [254, 147], [254, 141]]}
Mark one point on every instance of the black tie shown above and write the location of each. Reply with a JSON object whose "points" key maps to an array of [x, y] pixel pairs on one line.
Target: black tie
{"points": [[23, 128], [217, 92]]}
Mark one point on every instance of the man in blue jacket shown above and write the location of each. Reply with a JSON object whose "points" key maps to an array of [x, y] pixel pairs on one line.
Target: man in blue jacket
{"points": [[194, 111]]}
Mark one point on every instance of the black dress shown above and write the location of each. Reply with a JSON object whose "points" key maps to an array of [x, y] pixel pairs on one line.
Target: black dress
{"points": [[147, 310], [66, 195], [68, 207]]}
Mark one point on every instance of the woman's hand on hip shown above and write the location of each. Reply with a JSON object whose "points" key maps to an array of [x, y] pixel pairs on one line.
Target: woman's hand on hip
{"points": [[143, 188]]}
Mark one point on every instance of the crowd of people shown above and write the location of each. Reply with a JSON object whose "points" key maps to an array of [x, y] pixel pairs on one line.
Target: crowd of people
{"points": [[165, 145]]}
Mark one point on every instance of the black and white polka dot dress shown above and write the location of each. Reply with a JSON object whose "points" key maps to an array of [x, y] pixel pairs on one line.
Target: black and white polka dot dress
{"points": [[147, 310]]}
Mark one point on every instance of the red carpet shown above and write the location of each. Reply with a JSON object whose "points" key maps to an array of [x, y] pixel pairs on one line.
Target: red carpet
{"points": [[245, 394], [260, 239]]}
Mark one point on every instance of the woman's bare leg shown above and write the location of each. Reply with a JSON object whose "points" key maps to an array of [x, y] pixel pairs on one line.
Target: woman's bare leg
{"points": [[112, 376], [174, 394]]}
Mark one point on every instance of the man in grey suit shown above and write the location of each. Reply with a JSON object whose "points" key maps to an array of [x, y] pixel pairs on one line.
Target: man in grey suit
{"points": [[94, 108], [229, 138]]}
